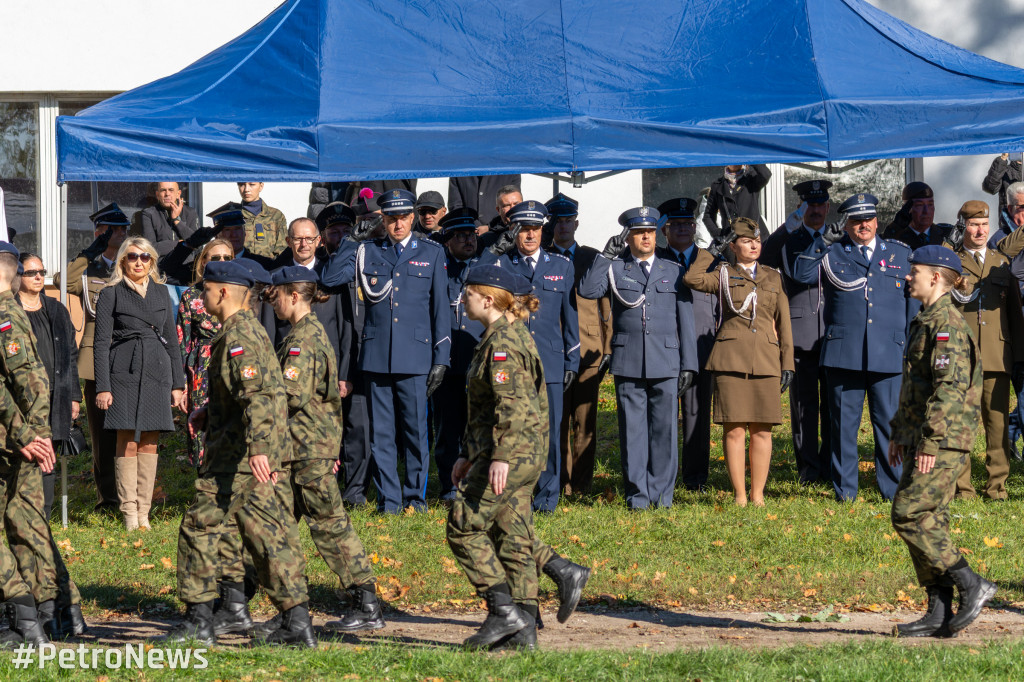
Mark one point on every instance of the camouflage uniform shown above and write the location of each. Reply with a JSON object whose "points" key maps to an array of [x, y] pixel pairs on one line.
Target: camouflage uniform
{"points": [[28, 532], [492, 535], [938, 414], [265, 232], [16, 434], [247, 416]]}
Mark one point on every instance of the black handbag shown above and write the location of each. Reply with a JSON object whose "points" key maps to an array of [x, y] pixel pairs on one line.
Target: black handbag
{"points": [[76, 443]]}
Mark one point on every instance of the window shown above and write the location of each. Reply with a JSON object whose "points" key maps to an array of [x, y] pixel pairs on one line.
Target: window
{"points": [[19, 174], [884, 178]]}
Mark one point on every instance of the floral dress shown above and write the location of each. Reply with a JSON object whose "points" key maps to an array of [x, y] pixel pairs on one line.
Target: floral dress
{"points": [[196, 329]]}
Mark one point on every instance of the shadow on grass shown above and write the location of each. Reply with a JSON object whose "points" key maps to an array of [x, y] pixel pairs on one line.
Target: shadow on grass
{"points": [[673, 619]]}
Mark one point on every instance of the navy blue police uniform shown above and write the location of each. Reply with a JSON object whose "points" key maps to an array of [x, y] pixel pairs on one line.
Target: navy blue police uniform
{"points": [[405, 336], [866, 314], [808, 401], [448, 403], [695, 402], [653, 343], [554, 328]]}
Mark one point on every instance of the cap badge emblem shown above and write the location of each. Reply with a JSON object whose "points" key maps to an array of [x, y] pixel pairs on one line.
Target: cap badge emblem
{"points": [[644, 211]]}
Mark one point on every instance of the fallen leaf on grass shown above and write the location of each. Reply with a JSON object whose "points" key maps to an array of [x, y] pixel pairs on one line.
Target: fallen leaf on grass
{"points": [[693, 591], [167, 563], [847, 537], [166, 589], [732, 579], [137, 543], [810, 592], [449, 565], [771, 517], [103, 543], [146, 567], [718, 543], [993, 542], [65, 544]]}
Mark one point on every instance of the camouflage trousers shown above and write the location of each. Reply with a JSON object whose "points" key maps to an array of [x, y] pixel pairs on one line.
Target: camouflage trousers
{"points": [[920, 514], [317, 498], [28, 534], [267, 532], [492, 535]]}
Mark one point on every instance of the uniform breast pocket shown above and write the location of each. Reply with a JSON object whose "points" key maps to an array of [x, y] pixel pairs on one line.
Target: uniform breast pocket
{"points": [[665, 287], [620, 339], [628, 284], [554, 285], [896, 277], [369, 332], [422, 334], [376, 270], [419, 272]]}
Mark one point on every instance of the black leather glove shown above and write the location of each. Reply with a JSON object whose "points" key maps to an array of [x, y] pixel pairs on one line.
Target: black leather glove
{"points": [[505, 242], [787, 379], [615, 245], [567, 379], [602, 369], [717, 247], [902, 217], [365, 229], [201, 236], [98, 246], [1017, 377], [955, 238], [686, 378], [833, 232], [435, 378]]}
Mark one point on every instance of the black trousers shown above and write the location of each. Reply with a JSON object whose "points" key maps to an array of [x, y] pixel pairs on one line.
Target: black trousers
{"points": [[354, 474]]}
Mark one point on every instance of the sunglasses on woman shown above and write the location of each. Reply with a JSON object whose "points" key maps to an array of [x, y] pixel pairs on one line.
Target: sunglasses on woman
{"points": [[132, 257], [220, 258], [35, 273]]}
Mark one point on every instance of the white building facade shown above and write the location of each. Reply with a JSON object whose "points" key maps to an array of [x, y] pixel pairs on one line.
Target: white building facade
{"points": [[63, 55]]}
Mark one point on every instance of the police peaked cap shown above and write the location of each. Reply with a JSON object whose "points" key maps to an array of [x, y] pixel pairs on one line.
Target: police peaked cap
{"points": [[561, 205], [680, 207], [396, 202], [459, 219], [860, 207], [337, 213], [813, 191], [528, 213], [640, 218], [111, 214]]}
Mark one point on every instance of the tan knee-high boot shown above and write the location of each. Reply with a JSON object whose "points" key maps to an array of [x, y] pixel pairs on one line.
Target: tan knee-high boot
{"points": [[126, 470], [147, 478]]}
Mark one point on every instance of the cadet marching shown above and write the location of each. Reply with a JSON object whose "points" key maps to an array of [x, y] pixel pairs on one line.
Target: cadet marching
{"points": [[489, 352]]}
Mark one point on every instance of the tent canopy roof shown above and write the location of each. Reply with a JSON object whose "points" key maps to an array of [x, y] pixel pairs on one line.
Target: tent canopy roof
{"points": [[347, 89]]}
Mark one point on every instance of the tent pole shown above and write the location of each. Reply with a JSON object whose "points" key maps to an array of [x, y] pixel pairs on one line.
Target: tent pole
{"points": [[63, 250]]}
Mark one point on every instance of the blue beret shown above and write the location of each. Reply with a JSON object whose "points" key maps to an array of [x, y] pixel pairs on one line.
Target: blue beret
{"points": [[111, 214], [522, 286], [396, 202], [528, 213], [561, 205], [459, 219], [683, 207], [257, 272], [813, 191], [491, 276], [640, 218], [937, 256], [860, 207], [335, 214], [293, 273], [227, 272], [7, 247]]}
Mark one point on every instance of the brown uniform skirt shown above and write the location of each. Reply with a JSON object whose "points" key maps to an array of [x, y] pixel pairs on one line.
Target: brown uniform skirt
{"points": [[746, 398]]}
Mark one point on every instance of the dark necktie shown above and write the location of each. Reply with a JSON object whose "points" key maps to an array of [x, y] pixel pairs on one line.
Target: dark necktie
{"points": [[864, 251], [530, 262], [568, 254], [979, 258], [644, 265], [398, 249]]}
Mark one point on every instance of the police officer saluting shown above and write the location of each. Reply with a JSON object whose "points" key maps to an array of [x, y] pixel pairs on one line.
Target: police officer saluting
{"points": [[866, 313], [554, 327], [679, 225], [808, 401], [654, 353], [406, 342], [932, 436], [448, 404], [993, 314]]}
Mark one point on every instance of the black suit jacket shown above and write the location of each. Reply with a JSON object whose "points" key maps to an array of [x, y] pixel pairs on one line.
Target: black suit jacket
{"points": [[155, 225]]}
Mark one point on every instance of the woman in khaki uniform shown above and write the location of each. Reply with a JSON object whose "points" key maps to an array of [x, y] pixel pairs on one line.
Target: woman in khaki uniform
{"points": [[752, 355]]}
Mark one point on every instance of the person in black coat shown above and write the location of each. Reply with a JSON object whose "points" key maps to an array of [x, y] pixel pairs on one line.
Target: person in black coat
{"points": [[480, 193], [735, 195], [1001, 174], [139, 377], [55, 339]]}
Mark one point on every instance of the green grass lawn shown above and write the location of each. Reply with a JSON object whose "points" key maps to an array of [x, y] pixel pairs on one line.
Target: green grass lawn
{"points": [[801, 552]]}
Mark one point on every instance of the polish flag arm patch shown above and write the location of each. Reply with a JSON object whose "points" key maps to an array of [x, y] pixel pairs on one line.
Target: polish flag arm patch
{"points": [[236, 351], [294, 350], [942, 336], [5, 326], [499, 356]]}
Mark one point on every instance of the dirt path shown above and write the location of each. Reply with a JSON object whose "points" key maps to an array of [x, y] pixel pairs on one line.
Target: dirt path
{"points": [[655, 630]]}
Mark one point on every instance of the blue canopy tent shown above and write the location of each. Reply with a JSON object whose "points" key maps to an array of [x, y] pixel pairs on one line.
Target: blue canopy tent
{"points": [[344, 89]]}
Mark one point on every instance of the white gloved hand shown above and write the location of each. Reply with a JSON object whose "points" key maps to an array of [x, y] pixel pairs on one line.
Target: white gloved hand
{"points": [[795, 219]]}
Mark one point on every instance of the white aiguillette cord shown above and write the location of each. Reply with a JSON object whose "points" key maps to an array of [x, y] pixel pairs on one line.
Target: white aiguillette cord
{"points": [[750, 302], [371, 295], [615, 290]]}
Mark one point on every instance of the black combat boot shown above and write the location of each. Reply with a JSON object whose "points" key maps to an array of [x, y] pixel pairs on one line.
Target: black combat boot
{"points": [[46, 613], [232, 615], [935, 622], [72, 623], [261, 630], [525, 639], [504, 618], [198, 626], [24, 624], [570, 579], [296, 629], [974, 591], [365, 612]]}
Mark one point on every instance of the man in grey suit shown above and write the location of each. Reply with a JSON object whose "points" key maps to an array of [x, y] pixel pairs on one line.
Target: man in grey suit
{"points": [[167, 222], [654, 353]]}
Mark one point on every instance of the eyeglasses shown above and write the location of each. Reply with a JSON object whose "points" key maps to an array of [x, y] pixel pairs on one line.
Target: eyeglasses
{"points": [[218, 258], [35, 273], [132, 257], [305, 240]]}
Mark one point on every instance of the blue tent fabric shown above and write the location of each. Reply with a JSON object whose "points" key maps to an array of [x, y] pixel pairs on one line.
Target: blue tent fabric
{"points": [[329, 90]]}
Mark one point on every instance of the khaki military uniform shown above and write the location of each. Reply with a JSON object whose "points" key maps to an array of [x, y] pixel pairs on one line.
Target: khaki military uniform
{"points": [[754, 343], [28, 531], [938, 412], [492, 535], [247, 416], [993, 313], [86, 278], [265, 232]]}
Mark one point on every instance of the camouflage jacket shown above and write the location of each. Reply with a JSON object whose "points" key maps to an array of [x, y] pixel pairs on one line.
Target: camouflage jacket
{"points": [[311, 382], [23, 372], [247, 408], [265, 232], [940, 398], [507, 414]]}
